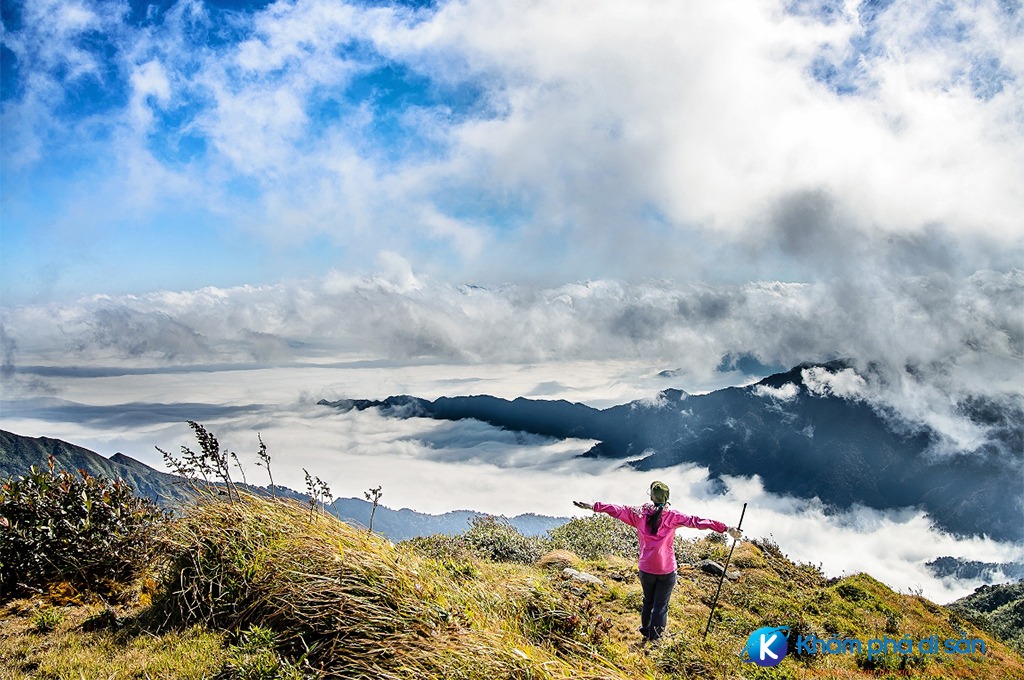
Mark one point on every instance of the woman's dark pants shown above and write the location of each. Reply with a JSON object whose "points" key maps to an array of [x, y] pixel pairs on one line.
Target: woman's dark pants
{"points": [[654, 615]]}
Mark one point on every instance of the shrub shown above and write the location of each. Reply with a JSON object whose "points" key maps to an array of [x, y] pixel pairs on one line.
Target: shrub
{"points": [[747, 556], [852, 592], [487, 537], [706, 547], [87, 530], [596, 536], [496, 539], [442, 547]]}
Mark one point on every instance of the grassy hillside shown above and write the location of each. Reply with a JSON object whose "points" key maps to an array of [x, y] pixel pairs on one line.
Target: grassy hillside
{"points": [[261, 588]]}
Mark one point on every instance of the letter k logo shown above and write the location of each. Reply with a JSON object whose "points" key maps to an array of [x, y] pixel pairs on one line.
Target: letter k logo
{"points": [[766, 646]]}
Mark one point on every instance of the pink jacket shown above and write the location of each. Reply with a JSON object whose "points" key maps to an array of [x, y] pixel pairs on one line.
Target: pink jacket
{"points": [[657, 555]]}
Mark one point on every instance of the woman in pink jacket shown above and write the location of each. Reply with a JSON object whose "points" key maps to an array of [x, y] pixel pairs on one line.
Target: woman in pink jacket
{"points": [[656, 528]]}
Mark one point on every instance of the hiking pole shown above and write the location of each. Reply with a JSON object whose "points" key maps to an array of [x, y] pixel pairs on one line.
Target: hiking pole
{"points": [[722, 577]]}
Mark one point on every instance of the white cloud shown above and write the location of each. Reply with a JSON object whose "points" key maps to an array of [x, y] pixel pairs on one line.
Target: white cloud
{"points": [[824, 383], [787, 392], [465, 239], [396, 272], [679, 105], [148, 81], [918, 354]]}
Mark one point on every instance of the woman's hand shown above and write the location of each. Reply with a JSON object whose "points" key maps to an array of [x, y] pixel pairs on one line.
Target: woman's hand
{"points": [[581, 504], [734, 532]]}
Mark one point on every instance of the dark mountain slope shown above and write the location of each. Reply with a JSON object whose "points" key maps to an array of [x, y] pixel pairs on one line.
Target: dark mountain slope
{"points": [[999, 610], [804, 443], [18, 454]]}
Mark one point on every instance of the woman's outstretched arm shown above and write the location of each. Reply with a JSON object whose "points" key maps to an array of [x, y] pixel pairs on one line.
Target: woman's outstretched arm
{"points": [[624, 513]]}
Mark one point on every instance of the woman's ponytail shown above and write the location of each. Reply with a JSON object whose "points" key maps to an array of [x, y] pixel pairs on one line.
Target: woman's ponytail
{"points": [[654, 520]]}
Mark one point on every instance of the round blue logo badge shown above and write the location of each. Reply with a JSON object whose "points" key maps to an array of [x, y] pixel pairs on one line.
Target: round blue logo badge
{"points": [[767, 646]]}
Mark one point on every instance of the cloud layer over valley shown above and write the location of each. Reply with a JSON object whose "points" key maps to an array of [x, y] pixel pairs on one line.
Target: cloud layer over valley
{"points": [[121, 373], [925, 343]]}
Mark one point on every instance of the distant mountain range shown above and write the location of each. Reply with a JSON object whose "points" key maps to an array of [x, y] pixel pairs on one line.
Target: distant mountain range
{"points": [[989, 572], [801, 442], [18, 454], [399, 525]]}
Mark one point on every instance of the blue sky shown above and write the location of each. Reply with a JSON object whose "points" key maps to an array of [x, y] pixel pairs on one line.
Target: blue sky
{"points": [[177, 145]]}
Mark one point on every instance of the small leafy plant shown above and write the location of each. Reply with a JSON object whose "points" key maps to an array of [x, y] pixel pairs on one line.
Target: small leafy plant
{"points": [[373, 495], [255, 657], [47, 620], [264, 461], [317, 491], [87, 530]]}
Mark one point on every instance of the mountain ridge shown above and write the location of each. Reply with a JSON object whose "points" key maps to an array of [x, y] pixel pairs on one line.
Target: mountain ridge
{"points": [[802, 440]]}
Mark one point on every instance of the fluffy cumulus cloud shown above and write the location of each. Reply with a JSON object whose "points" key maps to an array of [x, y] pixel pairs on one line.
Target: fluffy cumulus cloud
{"points": [[558, 139], [845, 383]]}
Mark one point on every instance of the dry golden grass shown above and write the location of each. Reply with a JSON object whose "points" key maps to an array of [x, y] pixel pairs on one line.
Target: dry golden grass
{"points": [[355, 606], [558, 560], [72, 651], [338, 602]]}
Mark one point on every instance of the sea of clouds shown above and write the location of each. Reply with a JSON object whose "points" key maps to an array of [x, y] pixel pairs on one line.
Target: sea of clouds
{"points": [[124, 373]]}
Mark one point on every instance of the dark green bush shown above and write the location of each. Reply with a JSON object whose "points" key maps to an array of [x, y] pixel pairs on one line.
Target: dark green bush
{"points": [[852, 592], [87, 530], [496, 539], [1007, 622], [693, 549], [442, 547], [488, 537], [596, 536]]}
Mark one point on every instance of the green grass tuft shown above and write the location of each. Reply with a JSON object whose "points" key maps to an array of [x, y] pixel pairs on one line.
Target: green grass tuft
{"points": [[47, 620]]}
